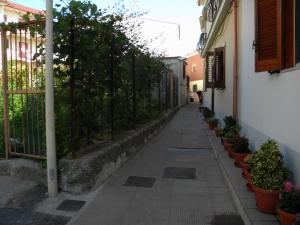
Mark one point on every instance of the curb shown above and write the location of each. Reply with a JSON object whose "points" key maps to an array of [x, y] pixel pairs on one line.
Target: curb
{"points": [[234, 195]]}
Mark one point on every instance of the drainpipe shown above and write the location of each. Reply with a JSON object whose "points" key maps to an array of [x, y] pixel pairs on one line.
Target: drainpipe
{"points": [[235, 59]]}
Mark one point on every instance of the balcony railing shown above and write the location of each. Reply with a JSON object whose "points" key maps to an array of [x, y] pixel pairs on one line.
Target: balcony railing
{"points": [[202, 41], [212, 9]]}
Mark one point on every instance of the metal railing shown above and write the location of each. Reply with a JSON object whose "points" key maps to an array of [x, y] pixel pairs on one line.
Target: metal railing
{"points": [[202, 42], [212, 9]]}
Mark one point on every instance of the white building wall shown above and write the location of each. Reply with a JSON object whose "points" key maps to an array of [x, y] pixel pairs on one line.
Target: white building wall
{"points": [[12, 16], [269, 105], [223, 97]]}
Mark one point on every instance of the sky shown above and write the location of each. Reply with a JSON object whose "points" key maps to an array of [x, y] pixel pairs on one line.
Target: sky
{"points": [[163, 34]]}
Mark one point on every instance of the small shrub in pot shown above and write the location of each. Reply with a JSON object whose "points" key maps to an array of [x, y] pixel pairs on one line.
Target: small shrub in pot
{"points": [[269, 175], [240, 150], [289, 203]]}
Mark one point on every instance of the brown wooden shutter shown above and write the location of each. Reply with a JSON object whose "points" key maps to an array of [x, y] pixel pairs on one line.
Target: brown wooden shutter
{"points": [[219, 67], [268, 35], [209, 71]]}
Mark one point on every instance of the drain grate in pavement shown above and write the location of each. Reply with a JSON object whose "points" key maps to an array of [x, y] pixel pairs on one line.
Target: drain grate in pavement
{"points": [[180, 173], [25, 217], [229, 219], [134, 181], [174, 149], [71, 205]]}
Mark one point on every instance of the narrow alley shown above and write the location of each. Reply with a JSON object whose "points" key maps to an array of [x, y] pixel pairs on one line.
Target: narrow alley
{"points": [[174, 179]]}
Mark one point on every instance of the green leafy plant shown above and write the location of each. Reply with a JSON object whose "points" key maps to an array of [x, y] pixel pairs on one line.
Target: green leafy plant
{"points": [[207, 113], [97, 51], [290, 198], [268, 170], [229, 121], [230, 126], [213, 120], [241, 145]]}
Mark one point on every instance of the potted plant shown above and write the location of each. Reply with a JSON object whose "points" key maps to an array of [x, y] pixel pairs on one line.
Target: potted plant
{"points": [[289, 204], [230, 126], [245, 163], [229, 121], [240, 150], [247, 166], [207, 113], [218, 131], [212, 122], [229, 139], [268, 176], [297, 221]]}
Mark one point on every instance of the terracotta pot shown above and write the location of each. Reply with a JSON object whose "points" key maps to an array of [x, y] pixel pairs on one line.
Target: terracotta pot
{"points": [[250, 187], [230, 151], [225, 140], [245, 166], [238, 157], [227, 145], [249, 184], [212, 126], [217, 132], [266, 201], [286, 218]]}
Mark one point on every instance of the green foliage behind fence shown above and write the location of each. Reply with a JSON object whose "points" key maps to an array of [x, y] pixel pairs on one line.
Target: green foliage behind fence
{"points": [[104, 78]]}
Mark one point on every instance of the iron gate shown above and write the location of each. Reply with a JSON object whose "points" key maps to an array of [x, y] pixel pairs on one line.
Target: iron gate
{"points": [[23, 79]]}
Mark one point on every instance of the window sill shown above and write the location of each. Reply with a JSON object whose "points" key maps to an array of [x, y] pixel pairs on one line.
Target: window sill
{"points": [[296, 67]]}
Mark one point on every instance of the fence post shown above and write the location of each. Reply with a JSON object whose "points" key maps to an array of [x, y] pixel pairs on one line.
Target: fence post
{"points": [[50, 117], [5, 94], [133, 89], [73, 120], [167, 91], [159, 95], [112, 91], [149, 95]]}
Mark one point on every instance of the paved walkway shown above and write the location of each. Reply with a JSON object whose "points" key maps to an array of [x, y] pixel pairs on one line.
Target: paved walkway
{"points": [[188, 185]]}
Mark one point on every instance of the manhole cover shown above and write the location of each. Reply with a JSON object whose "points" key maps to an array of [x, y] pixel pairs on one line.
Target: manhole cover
{"points": [[135, 181], [180, 173], [71, 205], [227, 220]]}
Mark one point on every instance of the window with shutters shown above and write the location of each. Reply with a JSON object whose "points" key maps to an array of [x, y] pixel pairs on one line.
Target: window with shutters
{"points": [[219, 73], [215, 69], [209, 70], [275, 45]]}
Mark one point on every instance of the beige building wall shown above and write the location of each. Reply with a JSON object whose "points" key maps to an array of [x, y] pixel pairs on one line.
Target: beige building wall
{"points": [[223, 97]]}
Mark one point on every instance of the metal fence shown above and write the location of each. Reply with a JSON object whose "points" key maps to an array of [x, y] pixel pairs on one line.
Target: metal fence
{"points": [[23, 90], [120, 104]]}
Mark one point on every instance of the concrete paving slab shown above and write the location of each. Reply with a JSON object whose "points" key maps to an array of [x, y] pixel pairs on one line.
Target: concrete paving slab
{"points": [[11, 186], [169, 201]]}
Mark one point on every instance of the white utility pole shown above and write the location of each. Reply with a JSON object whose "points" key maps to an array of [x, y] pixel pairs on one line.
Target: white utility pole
{"points": [[50, 116]]}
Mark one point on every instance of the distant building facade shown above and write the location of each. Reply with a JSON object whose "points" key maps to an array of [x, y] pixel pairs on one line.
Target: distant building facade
{"points": [[178, 66], [20, 46], [195, 70]]}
